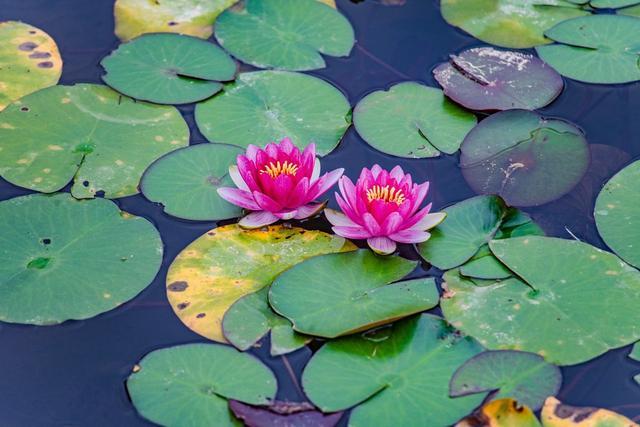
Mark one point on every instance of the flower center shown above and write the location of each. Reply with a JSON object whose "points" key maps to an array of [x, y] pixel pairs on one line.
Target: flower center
{"points": [[387, 194], [276, 169]]}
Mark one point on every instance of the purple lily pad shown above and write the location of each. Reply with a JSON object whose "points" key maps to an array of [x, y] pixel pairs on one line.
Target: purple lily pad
{"points": [[283, 414], [488, 79]]}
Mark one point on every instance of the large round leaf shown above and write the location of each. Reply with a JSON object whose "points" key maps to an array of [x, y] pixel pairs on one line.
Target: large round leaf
{"points": [[412, 120], [524, 377], [617, 213], [88, 133], [612, 4], [630, 11], [266, 106], [553, 310], [339, 294], [509, 23], [513, 153], [595, 49], [189, 385], [186, 181], [29, 61], [168, 68], [228, 262], [557, 414], [191, 17], [397, 375], [63, 259], [284, 34], [490, 79]]}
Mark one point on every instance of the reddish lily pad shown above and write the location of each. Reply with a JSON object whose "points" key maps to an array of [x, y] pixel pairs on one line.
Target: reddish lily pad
{"points": [[557, 414], [283, 414], [501, 413]]}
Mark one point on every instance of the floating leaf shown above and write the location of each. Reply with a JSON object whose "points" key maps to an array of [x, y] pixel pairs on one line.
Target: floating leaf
{"points": [[490, 79], [88, 133], [557, 414], [513, 153], [189, 385], [284, 34], [29, 61], [630, 11], [63, 259], [340, 294], [635, 352], [186, 181], [397, 375], [191, 17], [501, 413], [266, 106], [168, 68], [524, 377], [412, 120], [228, 262], [612, 4], [250, 318], [617, 213], [564, 282], [595, 49], [509, 23], [283, 414]]}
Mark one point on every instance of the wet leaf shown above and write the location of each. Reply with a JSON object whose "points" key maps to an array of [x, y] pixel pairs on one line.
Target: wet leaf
{"points": [[186, 181], [266, 106], [85, 133], [190, 17], [188, 385], [613, 4], [284, 34], [397, 375], [412, 120], [513, 153], [523, 377], [562, 284], [168, 68], [501, 413], [29, 61], [557, 414], [490, 79], [283, 414], [63, 259], [595, 49], [617, 214], [509, 23], [228, 262]]}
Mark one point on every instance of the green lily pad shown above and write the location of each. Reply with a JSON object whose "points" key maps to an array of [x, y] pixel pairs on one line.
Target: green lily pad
{"points": [[190, 17], [284, 34], [630, 11], [562, 284], [412, 120], [29, 61], [617, 214], [188, 385], [63, 259], [612, 4], [509, 23], [501, 413], [266, 106], [85, 133], [524, 377], [250, 318], [397, 375], [595, 49], [513, 153], [635, 352], [168, 68], [484, 265], [339, 294], [229, 262], [185, 182]]}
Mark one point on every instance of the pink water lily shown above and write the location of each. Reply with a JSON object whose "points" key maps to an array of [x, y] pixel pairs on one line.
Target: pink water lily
{"points": [[384, 208], [278, 182]]}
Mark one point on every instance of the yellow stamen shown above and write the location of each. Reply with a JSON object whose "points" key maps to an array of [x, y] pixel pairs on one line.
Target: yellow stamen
{"points": [[387, 194], [276, 169]]}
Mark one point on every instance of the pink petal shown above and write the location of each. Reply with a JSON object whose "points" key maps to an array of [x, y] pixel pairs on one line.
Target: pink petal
{"points": [[348, 190], [351, 232], [287, 215], [371, 224], [347, 209], [375, 171], [252, 152], [258, 220], [418, 195], [282, 186], [338, 219], [429, 221], [286, 145], [397, 173], [308, 158], [298, 195], [266, 203], [316, 170], [413, 220], [247, 169], [392, 223], [272, 150], [382, 245], [239, 198], [237, 178], [410, 236], [324, 183], [309, 210]]}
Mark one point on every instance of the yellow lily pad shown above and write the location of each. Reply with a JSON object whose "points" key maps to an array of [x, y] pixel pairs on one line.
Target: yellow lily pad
{"points": [[501, 413], [228, 262], [29, 61], [557, 414]]}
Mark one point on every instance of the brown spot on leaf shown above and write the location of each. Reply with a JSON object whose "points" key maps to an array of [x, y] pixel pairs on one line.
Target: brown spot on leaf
{"points": [[40, 55], [27, 46], [183, 305], [179, 286], [201, 315], [45, 64]]}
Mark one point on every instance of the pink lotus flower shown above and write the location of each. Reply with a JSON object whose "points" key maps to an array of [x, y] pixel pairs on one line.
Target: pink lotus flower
{"points": [[382, 207], [278, 182]]}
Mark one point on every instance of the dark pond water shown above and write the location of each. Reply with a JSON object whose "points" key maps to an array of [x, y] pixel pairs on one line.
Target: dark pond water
{"points": [[73, 374]]}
